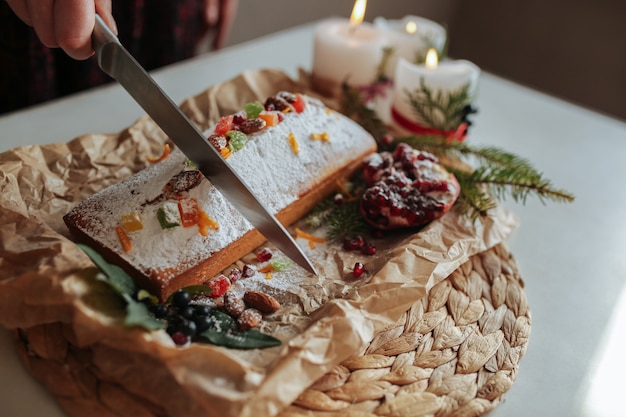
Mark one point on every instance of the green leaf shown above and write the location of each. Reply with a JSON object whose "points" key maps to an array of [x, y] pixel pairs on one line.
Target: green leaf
{"points": [[137, 314], [115, 276], [225, 332]]}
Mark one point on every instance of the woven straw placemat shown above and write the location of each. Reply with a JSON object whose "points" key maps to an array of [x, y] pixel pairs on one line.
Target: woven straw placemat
{"points": [[454, 353]]}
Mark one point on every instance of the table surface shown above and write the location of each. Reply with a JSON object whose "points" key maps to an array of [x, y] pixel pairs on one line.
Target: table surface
{"points": [[572, 256]]}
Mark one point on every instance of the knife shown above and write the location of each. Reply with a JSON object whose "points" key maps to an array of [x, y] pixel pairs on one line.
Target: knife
{"points": [[117, 62]]}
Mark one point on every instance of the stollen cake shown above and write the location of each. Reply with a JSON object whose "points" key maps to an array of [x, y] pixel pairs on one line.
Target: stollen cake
{"points": [[169, 227]]}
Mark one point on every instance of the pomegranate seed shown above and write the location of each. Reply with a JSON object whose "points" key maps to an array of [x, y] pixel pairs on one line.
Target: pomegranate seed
{"points": [[219, 285], [338, 199], [354, 243], [264, 255], [358, 269], [368, 249]]}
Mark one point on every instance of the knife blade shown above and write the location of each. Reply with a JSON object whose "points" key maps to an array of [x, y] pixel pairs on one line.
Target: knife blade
{"points": [[117, 62]]}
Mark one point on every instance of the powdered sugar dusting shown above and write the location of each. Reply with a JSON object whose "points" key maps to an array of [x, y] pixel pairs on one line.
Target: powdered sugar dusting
{"points": [[267, 164]]}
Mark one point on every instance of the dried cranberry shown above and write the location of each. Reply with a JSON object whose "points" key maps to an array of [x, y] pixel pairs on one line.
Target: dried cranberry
{"points": [[239, 118], [264, 255], [234, 275], [248, 271]]}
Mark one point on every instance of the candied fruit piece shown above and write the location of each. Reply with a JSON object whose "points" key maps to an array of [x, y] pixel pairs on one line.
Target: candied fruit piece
{"points": [[205, 223], [299, 104], [270, 117], [236, 140], [253, 109], [124, 239], [168, 215], [224, 125], [293, 142], [132, 221], [189, 211], [219, 285]]}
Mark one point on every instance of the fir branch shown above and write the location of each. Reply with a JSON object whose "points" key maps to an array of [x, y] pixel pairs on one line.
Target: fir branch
{"points": [[354, 108], [443, 110]]}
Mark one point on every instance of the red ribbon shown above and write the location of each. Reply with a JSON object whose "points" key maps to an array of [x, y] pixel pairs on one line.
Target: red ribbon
{"points": [[458, 134]]}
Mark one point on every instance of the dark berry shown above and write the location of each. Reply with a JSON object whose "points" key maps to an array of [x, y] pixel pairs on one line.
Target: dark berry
{"points": [[159, 310], [181, 298], [202, 310], [339, 199], [187, 312], [358, 269], [202, 323], [188, 328]]}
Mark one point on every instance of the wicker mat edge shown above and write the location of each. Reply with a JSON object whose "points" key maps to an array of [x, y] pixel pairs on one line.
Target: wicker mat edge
{"points": [[454, 354]]}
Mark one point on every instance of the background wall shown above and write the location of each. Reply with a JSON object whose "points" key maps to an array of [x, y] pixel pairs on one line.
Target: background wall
{"points": [[572, 49]]}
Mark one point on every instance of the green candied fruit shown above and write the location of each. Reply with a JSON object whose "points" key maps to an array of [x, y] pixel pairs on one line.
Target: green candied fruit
{"points": [[236, 140], [253, 109], [280, 264], [168, 215]]}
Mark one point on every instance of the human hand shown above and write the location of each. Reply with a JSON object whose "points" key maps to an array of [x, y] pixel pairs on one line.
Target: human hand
{"points": [[66, 24], [220, 14]]}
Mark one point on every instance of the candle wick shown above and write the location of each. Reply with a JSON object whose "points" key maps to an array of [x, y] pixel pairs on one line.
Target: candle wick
{"points": [[352, 28]]}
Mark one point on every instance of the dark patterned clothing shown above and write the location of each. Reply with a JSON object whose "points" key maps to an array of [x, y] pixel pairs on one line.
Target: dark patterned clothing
{"points": [[156, 32]]}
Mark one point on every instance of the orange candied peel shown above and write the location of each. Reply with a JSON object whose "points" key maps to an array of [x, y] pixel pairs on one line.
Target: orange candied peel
{"points": [[205, 222], [293, 142], [344, 190], [225, 152], [312, 239], [165, 154], [124, 239], [324, 136]]}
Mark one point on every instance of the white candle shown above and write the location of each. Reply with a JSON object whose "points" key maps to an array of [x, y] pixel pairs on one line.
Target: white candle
{"points": [[442, 79], [345, 51], [411, 37]]}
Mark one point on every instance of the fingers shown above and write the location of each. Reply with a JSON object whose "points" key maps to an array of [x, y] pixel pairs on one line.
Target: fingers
{"points": [[65, 24], [73, 25], [212, 11], [228, 11]]}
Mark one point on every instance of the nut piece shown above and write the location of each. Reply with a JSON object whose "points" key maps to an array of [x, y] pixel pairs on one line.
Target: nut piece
{"points": [[265, 303], [233, 304], [250, 318], [250, 126]]}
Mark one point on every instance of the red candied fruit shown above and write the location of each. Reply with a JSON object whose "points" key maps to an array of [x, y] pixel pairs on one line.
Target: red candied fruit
{"points": [[219, 285], [299, 104], [224, 124], [264, 255]]}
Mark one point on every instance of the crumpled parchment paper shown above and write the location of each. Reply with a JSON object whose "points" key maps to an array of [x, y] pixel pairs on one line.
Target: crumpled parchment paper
{"points": [[45, 278]]}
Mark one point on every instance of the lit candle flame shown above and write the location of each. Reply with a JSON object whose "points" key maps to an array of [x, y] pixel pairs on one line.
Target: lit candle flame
{"points": [[358, 12], [432, 60], [411, 27]]}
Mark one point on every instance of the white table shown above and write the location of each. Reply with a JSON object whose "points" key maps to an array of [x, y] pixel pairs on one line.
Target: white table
{"points": [[573, 257]]}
